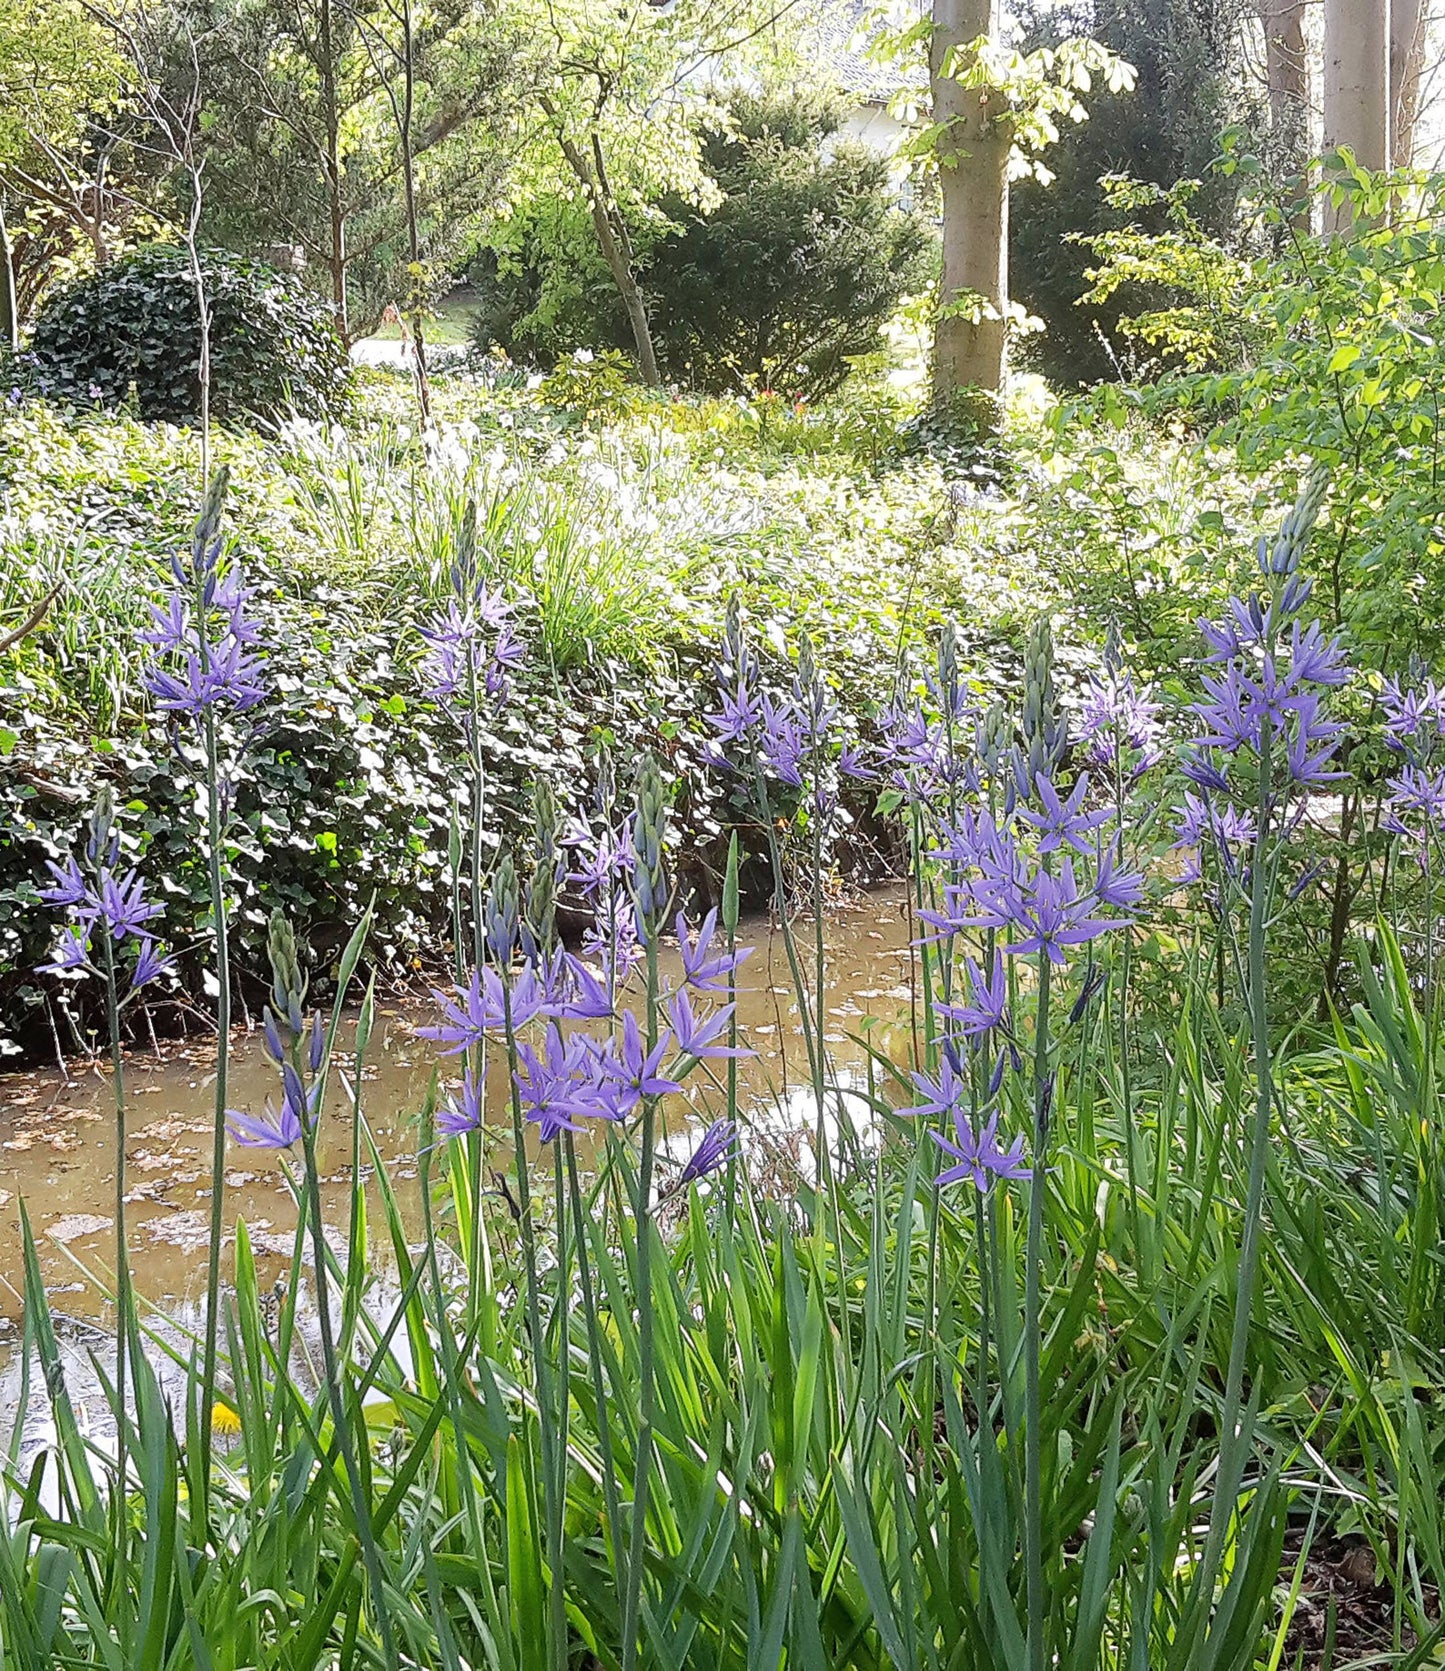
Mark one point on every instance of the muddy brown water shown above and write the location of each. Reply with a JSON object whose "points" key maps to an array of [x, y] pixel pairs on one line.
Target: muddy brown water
{"points": [[57, 1148]]}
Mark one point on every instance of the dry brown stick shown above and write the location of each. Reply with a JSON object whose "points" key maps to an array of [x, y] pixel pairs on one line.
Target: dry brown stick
{"points": [[31, 621]]}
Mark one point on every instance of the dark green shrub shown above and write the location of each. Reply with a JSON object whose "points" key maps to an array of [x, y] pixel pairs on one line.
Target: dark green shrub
{"points": [[1191, 84], [794, 272], [798, 269], [135, 325]]}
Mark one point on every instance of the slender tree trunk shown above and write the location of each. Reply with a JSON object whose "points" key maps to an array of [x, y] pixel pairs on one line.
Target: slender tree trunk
{"points": [[423, 387], [337, 254], [615, 245], [96, 226], [1287, 70], [973, 152], [1356, 85], [9, 297], [1407, 58]]}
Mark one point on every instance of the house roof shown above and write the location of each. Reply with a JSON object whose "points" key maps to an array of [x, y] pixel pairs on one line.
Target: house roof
{"points": [[840, 35]]}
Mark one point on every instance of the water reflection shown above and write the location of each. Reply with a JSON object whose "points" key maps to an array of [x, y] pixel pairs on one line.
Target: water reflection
{"points": [[57, 1151]]}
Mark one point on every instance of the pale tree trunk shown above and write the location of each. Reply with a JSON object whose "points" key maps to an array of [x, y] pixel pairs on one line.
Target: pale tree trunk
{"points": [[1356, 83], [337, 256], [1287, 69], [1407, 60], [9, 297], [612, 236], [972, 152]]}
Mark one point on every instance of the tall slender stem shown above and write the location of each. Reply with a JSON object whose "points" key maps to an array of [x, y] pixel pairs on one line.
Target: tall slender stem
{"points": [[534, 1310], [339, 1417], [1033, 1342], [557, 1501], [594, 1357], [1232, 1438], [642, 1216], [214, 835], [122, 1254]]}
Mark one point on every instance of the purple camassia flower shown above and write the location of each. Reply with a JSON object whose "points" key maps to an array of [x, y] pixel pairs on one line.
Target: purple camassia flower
{"points": [[695, 1034], [1119, 890], [573, 992], [1063, 822], [816, 710], [563, 1084], [459, 657], [612, 860], [1054, 914], [942, 1095], [1200, 767], [1205, 822], [1419, 792], [124, 908], [1312, 746], [73, 952], [481, 1007], [1119, 727], [613, 940], [219, 667], [466, 1112], [853, 762], [1246, 625], [979, 1154], [783, 741], [151, 964], [988, 1011], [740, 714], [115, 906], [278, 1128], [703, 971], [718, 1146], [975, 842], [921, 754], [1241, 700], [70, 891], [737, 681], [1412, 713], [634, 1071]]}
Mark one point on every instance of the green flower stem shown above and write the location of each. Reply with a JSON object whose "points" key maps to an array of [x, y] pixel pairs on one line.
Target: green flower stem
{"points": [[1233, 1441], [123, 1303], [647, 1373], [215, 836], [594, 1358], [557, 1499], [1033, 1341], [541, 1375], [361, 1506]]}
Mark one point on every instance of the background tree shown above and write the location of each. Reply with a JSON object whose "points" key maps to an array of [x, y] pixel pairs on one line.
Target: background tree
{"points": [[996, 109], [1356, 79], [71, 180], [800, 265], [1409, 26], [1287, 81], [795, 268], [1188, 57], [974, 136], [309, 149], [626, 92]]}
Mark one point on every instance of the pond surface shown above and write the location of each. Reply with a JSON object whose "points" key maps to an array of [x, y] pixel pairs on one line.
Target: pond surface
{"points": [[57, 1138]]}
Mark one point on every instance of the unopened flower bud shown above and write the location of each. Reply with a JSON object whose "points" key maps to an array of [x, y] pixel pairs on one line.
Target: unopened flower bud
{"points": [[502, 912]]}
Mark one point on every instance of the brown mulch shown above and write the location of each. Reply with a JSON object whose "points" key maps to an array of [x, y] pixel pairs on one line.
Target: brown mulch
{"points": [[1345, 1615]]}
